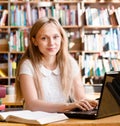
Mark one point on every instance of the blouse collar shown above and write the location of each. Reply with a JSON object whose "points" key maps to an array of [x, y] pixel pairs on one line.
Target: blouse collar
{"points": [[47, 72]]}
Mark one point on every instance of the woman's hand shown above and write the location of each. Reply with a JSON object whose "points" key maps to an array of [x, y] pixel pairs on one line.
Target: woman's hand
{"points": [[86, 104]]}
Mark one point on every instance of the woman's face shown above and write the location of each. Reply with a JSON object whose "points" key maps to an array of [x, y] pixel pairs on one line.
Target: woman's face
{"points": [[48, 40]]}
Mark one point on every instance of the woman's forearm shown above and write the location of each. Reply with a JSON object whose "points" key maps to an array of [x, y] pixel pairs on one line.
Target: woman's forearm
{"points": [[50, 107]]}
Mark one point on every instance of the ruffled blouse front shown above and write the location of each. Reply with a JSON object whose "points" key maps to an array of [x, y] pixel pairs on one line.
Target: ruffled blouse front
{"points": [[51, 83]]}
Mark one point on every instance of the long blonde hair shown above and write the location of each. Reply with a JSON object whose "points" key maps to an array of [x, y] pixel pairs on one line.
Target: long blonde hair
{"points": [[34, 55]]}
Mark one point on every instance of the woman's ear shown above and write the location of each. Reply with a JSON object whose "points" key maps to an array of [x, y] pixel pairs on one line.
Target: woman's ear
{"points": [[34, 41]]}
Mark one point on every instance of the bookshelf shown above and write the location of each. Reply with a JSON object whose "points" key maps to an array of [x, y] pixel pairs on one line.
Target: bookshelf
{"points": [[100, 38], [87, 38], [4, 41]]}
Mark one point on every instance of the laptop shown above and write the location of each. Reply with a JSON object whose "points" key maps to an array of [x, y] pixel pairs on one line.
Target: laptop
{"points": [[109, 101]]}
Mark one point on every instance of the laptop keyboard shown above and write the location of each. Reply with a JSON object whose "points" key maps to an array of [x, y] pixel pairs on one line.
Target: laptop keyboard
{"points": [[89, 112]]}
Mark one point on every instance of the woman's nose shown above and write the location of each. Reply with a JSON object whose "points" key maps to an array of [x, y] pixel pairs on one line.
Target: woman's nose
{"points": [[51, 41]]}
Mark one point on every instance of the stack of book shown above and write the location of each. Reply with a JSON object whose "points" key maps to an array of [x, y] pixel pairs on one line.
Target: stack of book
{"points": [[2, 95]]}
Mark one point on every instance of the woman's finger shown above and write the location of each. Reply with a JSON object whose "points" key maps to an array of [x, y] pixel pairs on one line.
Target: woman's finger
{"points": [[93, 103], [84, 105]]}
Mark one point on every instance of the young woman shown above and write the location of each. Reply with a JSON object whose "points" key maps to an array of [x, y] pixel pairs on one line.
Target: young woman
{"points": [[48, 77]]}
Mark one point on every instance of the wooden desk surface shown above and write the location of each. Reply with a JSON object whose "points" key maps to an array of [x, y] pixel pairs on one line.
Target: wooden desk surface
{"points": [[108, 121]]}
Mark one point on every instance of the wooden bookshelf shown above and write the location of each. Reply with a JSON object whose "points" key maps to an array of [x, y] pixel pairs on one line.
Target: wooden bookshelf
{"points": [[79, 32]]}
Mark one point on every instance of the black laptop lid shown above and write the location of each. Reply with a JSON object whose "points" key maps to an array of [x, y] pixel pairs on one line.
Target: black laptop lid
{"points": [[108, 104]]}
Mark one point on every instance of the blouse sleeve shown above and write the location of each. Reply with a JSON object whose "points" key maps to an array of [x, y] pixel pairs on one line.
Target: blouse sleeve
{"points": [[26, 68], [75, 67]]}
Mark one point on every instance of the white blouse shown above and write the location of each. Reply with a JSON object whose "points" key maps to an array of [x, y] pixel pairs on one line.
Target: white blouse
{"points": [[51, 83]]}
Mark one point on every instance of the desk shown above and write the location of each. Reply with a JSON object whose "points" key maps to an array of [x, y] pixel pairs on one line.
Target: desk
{"points": [[108, 121]]}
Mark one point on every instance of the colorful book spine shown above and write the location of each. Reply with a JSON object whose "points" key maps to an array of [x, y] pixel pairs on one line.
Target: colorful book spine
{"points": [[12, 15], [4, 18], [14, 68], [18, 17], [22, 41], [29, 14], [0, 101], [2, 91], [2, 73], [2, 107]]}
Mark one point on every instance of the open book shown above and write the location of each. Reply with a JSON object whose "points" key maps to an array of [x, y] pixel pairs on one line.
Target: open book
{"points": [[31, 117]]}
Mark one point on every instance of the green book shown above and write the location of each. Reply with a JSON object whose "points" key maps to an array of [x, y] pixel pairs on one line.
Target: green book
{"points": [[0, 101], [21, 41]]}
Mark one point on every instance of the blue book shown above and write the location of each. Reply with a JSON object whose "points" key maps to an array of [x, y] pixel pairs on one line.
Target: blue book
{"points": [[12, 13], [18, 16], [118, 38]]}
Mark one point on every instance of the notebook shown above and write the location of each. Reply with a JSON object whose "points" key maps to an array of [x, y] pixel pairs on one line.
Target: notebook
{"points": [[109, 102]]}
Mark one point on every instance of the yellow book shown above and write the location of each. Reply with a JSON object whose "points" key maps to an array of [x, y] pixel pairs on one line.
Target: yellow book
{"points": [[2, 73]]}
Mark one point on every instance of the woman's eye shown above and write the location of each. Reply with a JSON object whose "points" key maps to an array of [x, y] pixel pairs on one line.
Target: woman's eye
{"points": [[43, 38], [56, 37]]}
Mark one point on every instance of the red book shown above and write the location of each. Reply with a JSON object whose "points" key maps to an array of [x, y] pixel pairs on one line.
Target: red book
{"points": [[2, 91], [2, 107]]}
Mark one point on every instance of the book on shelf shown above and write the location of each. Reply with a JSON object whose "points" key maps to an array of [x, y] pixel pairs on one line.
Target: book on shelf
{"points": [[106, 64], [31, 117], [95, 16], [2, 107], [80, 15], [118, 37], [18, 40], [4, 18], [28, 14], [2, 91], [115, 65], [2, 73], [2, 95], [0, 101], [112, 16], [117, 13]]}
